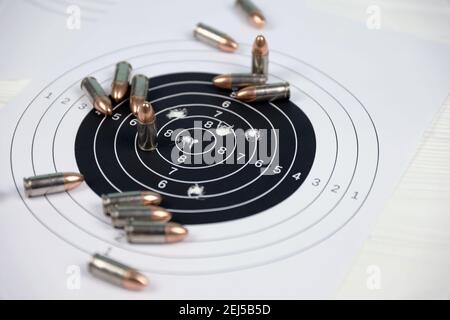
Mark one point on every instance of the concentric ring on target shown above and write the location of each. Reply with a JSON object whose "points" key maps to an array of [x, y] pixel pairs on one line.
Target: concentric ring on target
{"points": [[223, 268]]}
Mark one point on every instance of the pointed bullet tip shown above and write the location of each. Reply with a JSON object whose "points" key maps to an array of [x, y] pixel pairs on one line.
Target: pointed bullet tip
{"points": [[104, 105], [150, 198], [258, 20], [246, 94], [175, 232], [135, 281], [72, 180], [260, 45], [119, 90], [145, 113], [222, 81], [159, 214], [229, 46]]}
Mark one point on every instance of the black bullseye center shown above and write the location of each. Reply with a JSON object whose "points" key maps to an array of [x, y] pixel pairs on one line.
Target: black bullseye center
{"points": [[195, 117]]}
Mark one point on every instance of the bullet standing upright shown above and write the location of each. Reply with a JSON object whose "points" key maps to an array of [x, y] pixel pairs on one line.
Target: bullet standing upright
{"points": [[51, 183], [146, 127], [116, 273], [260, 56], [100, 100], [120, 83], [139, 90], [215, 38]]}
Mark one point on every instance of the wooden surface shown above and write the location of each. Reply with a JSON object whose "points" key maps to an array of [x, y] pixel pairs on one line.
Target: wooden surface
{"points": [[407, 254]]}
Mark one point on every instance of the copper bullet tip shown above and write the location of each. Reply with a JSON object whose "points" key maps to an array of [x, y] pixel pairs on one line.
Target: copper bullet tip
{"points": [[222, 81], [119, 90], [229, 45], [135, 102], [215, 38], [247, 94], [260, 46], [72, 180], [175, 232], [134, 280], [159, 214], [104, 105], [149, 198], [145, 113], [257, 19]]}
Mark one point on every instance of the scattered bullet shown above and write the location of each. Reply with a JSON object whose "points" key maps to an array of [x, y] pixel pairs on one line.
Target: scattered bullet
{"points": [[154, 232], [120, 83], [139, 90], [268, 92], [239, 80], [116, 273], [100, 100], [51, 183], [120, 215], [215, 38], [146, 127], [130, 198], [260, 56], [253, 12]]}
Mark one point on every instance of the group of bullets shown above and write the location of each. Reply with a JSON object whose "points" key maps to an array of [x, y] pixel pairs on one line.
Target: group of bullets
{"points": [[137, 212], [139, 106], [251, 86]]}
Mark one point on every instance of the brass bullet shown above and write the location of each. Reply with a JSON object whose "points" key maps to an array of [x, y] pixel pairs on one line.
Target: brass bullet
{"points": [[260, 56], [100, 100], [130, 198], [215, 38], [51, 183], [154, 232], [253, 12], [117, 273], [267, 92], [139, 90], [120, 215], [239, 80], [146, 127], [120, 83]]}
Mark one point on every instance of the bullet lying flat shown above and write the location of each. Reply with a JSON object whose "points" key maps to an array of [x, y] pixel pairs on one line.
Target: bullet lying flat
{"points": [[154, 232], [215, 38], [260, 56], [130, 198], [255, 15], [120, 83], [239, 80], [51, 183], [100, 100], [120, 215], [116, 273], [146, 127], [138, 93], [267, 92]]}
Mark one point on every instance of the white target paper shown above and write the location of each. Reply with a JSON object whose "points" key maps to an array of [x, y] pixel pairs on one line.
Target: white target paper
{"points": [[368, 94]]}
